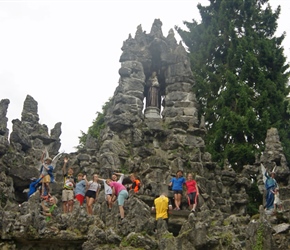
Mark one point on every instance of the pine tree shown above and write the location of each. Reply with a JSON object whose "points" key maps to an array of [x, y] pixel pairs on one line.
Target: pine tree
{"points": [[241, 77]]}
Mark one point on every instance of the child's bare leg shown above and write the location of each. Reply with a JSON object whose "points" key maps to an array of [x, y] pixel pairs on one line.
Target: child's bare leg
{"points": [[280, 207], [47, 188], [122, 212], [42, 188], [64, 207], [70, 206], [109, 200]]}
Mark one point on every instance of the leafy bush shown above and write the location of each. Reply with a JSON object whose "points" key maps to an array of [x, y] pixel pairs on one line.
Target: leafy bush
{"points": [[255, 199], [98, 124]]}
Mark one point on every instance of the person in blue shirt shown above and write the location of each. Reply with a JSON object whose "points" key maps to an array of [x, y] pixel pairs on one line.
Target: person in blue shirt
{"points": [[80, 189], [177, 187]]}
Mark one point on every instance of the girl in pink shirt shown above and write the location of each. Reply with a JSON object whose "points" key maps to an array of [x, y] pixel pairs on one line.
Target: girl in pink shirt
{"points": [[121, 192], [192, 192]]}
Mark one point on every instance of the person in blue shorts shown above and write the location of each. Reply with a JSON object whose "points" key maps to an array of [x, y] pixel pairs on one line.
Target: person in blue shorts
{"points": [[177, 187], [121, 193]]}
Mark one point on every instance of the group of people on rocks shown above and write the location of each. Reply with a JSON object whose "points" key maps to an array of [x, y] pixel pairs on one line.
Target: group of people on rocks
{"points": [[162, 204], [86, 191], [177, 183], [81, 189]]}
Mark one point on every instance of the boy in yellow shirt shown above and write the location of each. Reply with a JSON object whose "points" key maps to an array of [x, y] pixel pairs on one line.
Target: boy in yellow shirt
{"points": [[161, 204]]}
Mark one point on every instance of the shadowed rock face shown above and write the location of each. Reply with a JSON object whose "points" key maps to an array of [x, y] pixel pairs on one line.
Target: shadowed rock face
{"points": [[153, 147], [4, 144]]}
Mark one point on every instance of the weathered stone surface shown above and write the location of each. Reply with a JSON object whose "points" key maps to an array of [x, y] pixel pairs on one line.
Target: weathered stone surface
{"points": [[3, 119], [29, 113], [19, 136], [4, 145], [152, 148]]}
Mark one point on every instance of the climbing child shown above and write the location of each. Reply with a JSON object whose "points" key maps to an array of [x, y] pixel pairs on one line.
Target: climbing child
{"points": [[49, 207], [68, 188], [136, 184]]}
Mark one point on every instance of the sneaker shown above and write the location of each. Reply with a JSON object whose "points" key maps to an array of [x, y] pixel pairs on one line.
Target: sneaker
{"points": [[193, 211], [110, 209]]}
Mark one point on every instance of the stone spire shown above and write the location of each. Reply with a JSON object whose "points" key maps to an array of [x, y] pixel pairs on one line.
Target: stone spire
{"points": [[4, 103], [28, 133], [29, 112], [4, 144], [156, 30]]}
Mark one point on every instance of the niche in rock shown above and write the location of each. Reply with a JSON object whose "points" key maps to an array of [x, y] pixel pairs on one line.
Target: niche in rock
{"points": [[154, 90]]}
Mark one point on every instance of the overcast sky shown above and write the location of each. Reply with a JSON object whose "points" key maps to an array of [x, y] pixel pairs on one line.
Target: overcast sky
{"points": [[65, 54]]}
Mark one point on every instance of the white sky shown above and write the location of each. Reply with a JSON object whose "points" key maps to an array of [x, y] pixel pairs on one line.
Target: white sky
{"points": [[65, 54]]}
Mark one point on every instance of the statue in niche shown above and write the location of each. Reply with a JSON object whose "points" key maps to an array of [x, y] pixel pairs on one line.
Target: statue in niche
{"points": [[153, 99]]}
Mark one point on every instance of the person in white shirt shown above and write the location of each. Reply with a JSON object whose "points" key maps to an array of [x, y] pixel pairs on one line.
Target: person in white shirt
{"points": [[108, 190], [93, 189]]}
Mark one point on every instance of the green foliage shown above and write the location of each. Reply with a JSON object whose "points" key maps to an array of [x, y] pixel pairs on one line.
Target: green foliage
{"points": [[285, 132], [226, 238], [133, 241], [255, 217], [124, 169], [259, 239], [3, 200], [213, 223], [240, 78], [125, 243], [226, 222], [97, 126], [82, 140], [32, 232], [167, 236], [187, 164], [255, 199]]}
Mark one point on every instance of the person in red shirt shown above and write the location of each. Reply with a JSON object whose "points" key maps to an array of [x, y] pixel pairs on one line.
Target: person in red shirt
{"points": [[192, 192]]}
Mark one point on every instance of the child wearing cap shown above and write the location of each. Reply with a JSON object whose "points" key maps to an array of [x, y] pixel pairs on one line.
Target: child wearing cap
{"points": [[47, 177]]}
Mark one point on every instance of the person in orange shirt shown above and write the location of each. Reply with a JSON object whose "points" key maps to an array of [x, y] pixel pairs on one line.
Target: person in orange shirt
{"points": [[135, 183]]}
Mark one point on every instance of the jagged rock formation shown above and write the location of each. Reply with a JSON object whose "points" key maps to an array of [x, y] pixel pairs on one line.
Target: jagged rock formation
{"points": [[153, 140], [4, 144], [27, 142]]}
